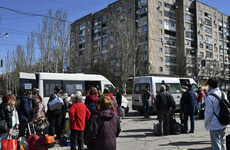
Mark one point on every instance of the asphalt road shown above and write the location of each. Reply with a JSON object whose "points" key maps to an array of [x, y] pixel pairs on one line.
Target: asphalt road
{"points": [[137, 134]]}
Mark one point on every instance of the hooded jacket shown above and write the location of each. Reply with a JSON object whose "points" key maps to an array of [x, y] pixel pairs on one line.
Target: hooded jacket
{"points": [[91, 98], [102, 131], [78, 113]]}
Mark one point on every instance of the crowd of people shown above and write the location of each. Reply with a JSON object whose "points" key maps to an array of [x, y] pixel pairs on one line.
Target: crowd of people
{"points": [[205, 104], [91, 120]]}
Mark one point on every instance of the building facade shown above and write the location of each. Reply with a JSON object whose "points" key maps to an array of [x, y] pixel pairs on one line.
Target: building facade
{"points": [[178, 38]]}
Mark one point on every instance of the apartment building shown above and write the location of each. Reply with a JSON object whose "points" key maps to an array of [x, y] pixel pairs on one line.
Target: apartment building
{"points": [[182, 37]]}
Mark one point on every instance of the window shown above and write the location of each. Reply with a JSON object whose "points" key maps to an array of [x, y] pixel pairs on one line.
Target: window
{"points": [[208, 30], [130, 14], [49, 86], [161, 69], [160, 31], [138, 88], [111, 46], [215, 33], [200, 20], [105, 41], [208, 39], [201, 37], [145, 28], [111, 21], [111, 37], [216, 49], [71, 87], [160, 13], [201, 54], [160, 50], [200, 12], [159, 4], [208, 22], [161, 59], [160, 22], [201, 45], [160, 40], [174, 87]]}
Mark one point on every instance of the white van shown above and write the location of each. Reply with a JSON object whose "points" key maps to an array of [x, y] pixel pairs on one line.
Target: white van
{"points": [[70, 83], [155, 83]]}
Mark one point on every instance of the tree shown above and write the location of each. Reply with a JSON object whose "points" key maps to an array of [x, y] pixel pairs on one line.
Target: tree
{"points": [[128, 50]]}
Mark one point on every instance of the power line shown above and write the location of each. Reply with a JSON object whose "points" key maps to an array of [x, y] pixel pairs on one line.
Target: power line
{"points": [[33, 14]]}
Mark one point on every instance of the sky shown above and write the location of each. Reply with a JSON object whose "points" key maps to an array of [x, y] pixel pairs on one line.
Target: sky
{"points": [[19, 26]]}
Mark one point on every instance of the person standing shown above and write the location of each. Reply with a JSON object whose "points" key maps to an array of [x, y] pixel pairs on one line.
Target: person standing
{"points": [[55, 116], [200, 99], [119, 101], [164, 104], [25, 112], [78, 113], [167, 88], [6, 114], [92, 98], [145, 100], [188, 103], [103, 128], [216, 129], [106, 92], [39, 110]]}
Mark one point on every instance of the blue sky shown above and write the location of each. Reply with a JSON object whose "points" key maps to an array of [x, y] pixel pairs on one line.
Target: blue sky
{"points": [[19, 26]]}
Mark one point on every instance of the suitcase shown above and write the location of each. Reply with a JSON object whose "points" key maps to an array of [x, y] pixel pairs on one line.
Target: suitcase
{"points": [[50, 141], [36, 141], [228, 142], [156, 128], [175, 127]]}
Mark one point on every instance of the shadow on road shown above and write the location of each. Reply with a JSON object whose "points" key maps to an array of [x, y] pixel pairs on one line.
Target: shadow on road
{"points": [[143, 133], [184, 143]]}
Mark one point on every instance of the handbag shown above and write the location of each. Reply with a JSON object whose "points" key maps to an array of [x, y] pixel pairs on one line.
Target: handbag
{"points": [[56, 103], [9, 144], [41, 124], [3, 126]]}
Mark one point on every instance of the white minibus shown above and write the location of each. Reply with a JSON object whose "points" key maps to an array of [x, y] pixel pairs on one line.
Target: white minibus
{"points": [[155, 83], [69, 82]]}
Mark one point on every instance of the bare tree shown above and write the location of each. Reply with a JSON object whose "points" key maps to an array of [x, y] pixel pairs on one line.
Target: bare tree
{"points": [[30, 54], [127, 49]]}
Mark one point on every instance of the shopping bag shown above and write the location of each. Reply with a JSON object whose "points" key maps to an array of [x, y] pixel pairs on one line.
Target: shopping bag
{"points": [[9, 144]]}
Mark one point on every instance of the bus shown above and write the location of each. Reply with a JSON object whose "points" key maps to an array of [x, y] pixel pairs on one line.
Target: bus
{"points": [[69, 82], [154, 82]]}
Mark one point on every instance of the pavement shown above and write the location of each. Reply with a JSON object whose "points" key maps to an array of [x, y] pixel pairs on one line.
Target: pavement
{"points": [[137, 134]]}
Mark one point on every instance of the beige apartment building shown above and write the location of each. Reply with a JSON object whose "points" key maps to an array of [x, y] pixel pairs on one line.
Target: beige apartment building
{"points": [[183, 38]]}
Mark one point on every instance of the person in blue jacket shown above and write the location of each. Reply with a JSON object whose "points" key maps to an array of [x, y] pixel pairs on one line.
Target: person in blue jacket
{"points": [[188, 103], [25, 112]]}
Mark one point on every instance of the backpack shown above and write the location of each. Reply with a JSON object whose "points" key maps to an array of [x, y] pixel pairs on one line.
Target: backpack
{"points": [[92, 108], [224, 114]]}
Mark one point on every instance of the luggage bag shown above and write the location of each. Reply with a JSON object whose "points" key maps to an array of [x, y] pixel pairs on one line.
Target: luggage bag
{"points": [[36, 141]]}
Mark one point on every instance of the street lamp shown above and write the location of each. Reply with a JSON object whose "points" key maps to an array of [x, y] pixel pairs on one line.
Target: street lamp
{"points": [[6, 35]]}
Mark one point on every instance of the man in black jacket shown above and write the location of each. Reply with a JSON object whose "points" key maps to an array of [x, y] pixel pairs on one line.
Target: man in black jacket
{"points": [[164, 104], [145, 100], [188, 102], [25, 112]]}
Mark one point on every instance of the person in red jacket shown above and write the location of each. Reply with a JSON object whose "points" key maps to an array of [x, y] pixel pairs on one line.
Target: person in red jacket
{"points": [[78, 113], [200, 99]]}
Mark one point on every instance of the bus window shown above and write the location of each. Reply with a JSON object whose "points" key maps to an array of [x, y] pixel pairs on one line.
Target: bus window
{"points": [[140, 87], [194, 87], [111, 88], [89, 84], [71, 87], [49, 86], [174, 87], [26, 84]]}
